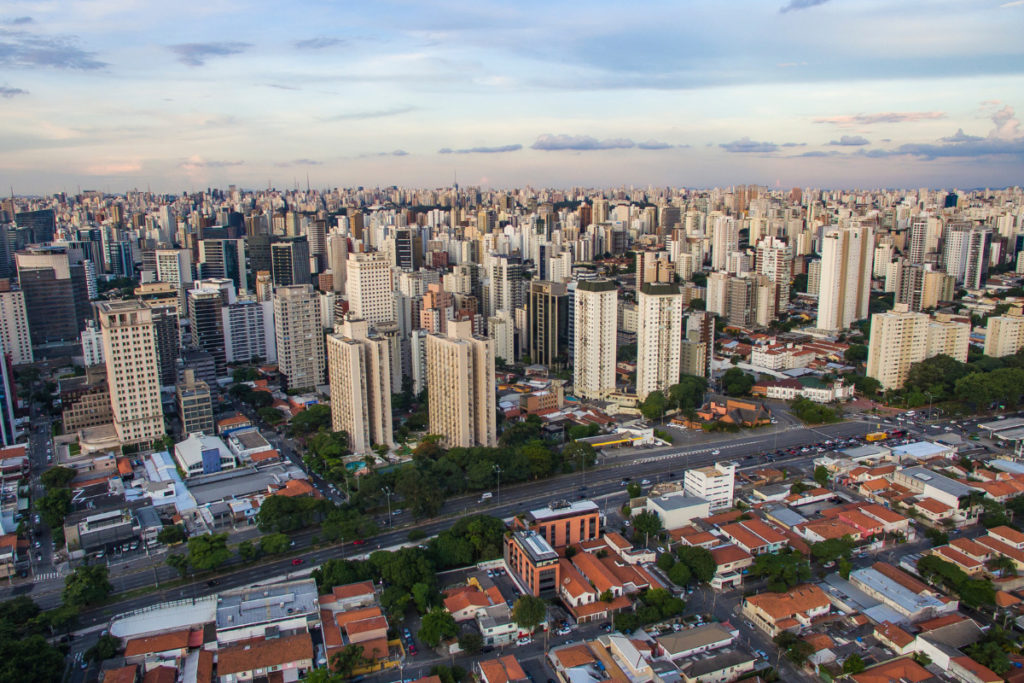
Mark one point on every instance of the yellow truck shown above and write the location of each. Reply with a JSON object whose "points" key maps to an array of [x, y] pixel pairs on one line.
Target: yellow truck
{"points": [[876, 436]]}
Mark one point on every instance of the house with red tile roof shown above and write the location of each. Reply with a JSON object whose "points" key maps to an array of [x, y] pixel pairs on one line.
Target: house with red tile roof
{"points": [[793, 610], [505, 669]]}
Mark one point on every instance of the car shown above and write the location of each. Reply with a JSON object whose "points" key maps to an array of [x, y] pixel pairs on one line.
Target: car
{"points": [[525, 640], [38, 545], [563, 631], [623, 483], [661, 549], [412, 650], [645, 482], [716, 452], [607, 628], [211, 583], [398, 511], [626, 523], [359, 541], [297, 561], [36, 519]]}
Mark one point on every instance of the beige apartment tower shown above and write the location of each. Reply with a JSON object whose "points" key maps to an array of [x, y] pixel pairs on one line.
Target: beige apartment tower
{"points": [[359, 372], [903, 337], [460, 387], [595, 324], [845, 286], [1004, 334], [371, 293], [659, 337], [300, 336], [133, 373]]}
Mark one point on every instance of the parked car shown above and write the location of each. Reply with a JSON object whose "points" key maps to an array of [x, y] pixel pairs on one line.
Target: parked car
{"points": [[297, 561]]}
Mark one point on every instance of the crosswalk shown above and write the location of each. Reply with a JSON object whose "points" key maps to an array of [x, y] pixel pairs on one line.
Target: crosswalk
{"points": [[47, 576]]}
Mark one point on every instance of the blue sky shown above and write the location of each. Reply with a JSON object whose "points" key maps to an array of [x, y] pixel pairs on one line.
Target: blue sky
{"points": [[107, 94]]}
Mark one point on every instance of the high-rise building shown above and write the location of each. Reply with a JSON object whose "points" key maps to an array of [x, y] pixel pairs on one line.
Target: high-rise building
{"points": [[595, 324], [337, 258], [289, 261], [8, 428], [92, 345], [659, 333], [195, 407], [461, 388], [714, 483], [775, 260], [174, 266], [168, 341], [370, 287], [299, 335], [967, 254], [700, 329], [917, 244], [507, 287], [1004, 334], [845, 290], [249, 331], [206, 324], [56, 290], [129, 346], [547, 323], [408, 249], [223, 258], [14, 331], [264, 286], [901, 337], [359, 372]]}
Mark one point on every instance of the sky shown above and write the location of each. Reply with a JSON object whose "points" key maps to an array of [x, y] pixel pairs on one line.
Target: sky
{"points": [[120, 94]]}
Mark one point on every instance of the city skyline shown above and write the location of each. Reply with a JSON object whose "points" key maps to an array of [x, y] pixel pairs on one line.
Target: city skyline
{"points": [[114, 95]]}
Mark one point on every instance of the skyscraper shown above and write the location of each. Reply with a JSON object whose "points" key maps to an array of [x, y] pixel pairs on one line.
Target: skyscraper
{"points": [[223, 258], [359, 372], [370, 289], [174, 266], [299, 334], [168, 341], [56, 293], [460, 387], [659, 333], [206, 325], [129, 348], [596, 304], [1004, 334], [408, 250], [14, 332], [547, 323], [289, 261], [967, 254], [845, 287]]}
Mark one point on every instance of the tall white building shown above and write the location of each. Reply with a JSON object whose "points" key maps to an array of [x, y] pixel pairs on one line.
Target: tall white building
{"points": [[359, 372], [370, 287], [174, 266], [249, 331], [714, 483], [775, 260], [133, 376], [14, 332], [299, 336], [460, 387], [659, 337], [594, 330], [92, 344], [966, 254], [845, 288], [725, 239], [1004, 335]]}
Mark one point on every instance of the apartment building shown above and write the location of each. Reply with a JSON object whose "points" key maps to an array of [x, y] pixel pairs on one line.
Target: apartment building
{"points": [[359, 373], [299, 336], [595, 322], [659, 337], [901, 337], [460, 387], [714, 483], [1004, 334]]}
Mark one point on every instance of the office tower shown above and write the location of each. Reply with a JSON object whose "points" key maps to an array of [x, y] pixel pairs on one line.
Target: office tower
{"points": [[845, 289], [168, 224], [337, 260], [918, 239], [547, 323], [249, 331], [223, 258], [56, 290], [14, 330], [1004, 334], [775, 260], [713, 483], [653, 266], [901, 337], [264, 286], [814, 277], [8, 429], [299, 336], [174, 266], [195, 407], [359, 372], [967, 254], [408, 250], [257, 248], [717, 293], [355, 224], [289, 262], [501, 330], [460, 387], [92, 345], [207, 325], [595, 321], [168, 341], [316, 235], [742, 301], [370, 289], [659, 332], [507, 287], [40, 225], [120, 259], [129, 346]]}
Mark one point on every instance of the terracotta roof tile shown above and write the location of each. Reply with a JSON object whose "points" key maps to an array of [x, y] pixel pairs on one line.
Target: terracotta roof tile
{"points": [[259, 653]]}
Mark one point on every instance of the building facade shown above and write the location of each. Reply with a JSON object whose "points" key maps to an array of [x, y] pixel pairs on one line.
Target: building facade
{"points": [[129, 346], [299, 336], [461, 388]]}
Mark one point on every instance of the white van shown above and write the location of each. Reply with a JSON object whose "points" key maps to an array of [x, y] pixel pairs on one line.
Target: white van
{"points": [[486, 496]]}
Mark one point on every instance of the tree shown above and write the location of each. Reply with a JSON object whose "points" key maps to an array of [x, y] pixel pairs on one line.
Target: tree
{"points": [[845, 567], [579, 454], [171, 534], [646, 523], [425, 596], [529, 612], [312, 419], [437, 625], [688, 393], [471, 642], [665, 561], [275, 544], [105, 648], [208, 552], [784, 570], [653, 407], [88, 585], [832, 549], [271, 416], [58, 477], [699, 561], [821, 475], [347, 660], [796, 649], [679, 574], [634, 490], [856, 354], [991, 650], [247, 551], [178, 562], [735, 382], [698, 304], [937, 537], [853, 664]]}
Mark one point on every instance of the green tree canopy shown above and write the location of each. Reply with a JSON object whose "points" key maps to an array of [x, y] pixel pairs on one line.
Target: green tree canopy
{"points": [[87, 585], [735, 382], [783, 570], [699, 561], [529, 612], [437, 625], [653, 407], [58, 477], [208, 552]]}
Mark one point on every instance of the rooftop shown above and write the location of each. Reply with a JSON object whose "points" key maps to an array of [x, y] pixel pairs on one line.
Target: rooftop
{"points": [[936, 480], [266, 604], [564, 509], [907, 599]]}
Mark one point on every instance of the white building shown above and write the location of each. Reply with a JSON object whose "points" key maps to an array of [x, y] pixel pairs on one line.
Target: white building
{"points": [[249, 331], [203, 454], [92, 344], [14, 333], [370, 287], [299, 336], [714, 483], [845, 286], [659, 337], [596, 311]]}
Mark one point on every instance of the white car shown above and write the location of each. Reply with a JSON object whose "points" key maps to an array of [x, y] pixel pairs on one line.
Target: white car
{"points": [[716, 452], [525, 640]]}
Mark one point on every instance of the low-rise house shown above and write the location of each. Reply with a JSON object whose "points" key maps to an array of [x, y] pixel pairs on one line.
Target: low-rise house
{"points": [[904, 669], [152, 651], [721, 666], [692, 641], [754, 536], [794, 610], [894, 637], [258, 658], [505, 669], [902, 592], [730, 563]]}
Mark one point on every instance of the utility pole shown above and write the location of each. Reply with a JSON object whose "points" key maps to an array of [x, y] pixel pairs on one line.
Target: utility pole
{"points": [[497, 471], [387, 494]]}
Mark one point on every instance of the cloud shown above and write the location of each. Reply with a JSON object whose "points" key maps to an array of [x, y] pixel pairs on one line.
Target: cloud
{"points": [[318, 43], [298, 162], [851, 141], [882, 117], [960, 136], [1007, 125], [372, 114], [7, 92], [196, 54], [1012, 3], [793, 144], [197, 162], [481, 150], [816, 153], [279, 86], [23, 50], [586, 143], [114, 168], [18, 21], [747, 146], [800, 4], [394, 153]]}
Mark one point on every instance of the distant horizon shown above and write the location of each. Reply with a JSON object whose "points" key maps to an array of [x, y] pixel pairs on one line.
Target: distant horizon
{"points": [[782, 93]]}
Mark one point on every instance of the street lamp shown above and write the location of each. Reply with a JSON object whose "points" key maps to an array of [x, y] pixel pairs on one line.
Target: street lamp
{"points": [[930, 397], [387, 494], [497, 471]]}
